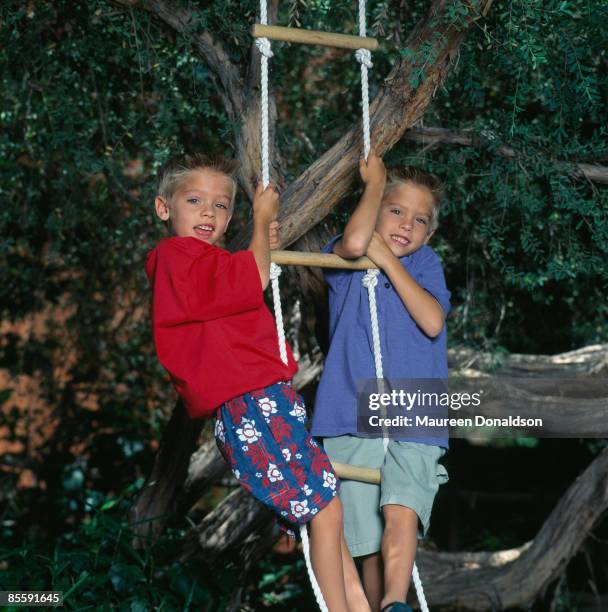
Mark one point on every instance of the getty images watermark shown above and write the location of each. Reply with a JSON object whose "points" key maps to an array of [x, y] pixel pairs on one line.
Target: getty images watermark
{"points": [[487, 407]]}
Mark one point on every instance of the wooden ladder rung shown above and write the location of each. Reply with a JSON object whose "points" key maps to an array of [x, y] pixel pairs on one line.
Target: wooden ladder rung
{"points": [[346, 471], [320, 260], [313, 37]]}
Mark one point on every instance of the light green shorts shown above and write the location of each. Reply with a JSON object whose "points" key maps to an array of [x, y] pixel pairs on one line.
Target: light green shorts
{"points": [[410, 476]]}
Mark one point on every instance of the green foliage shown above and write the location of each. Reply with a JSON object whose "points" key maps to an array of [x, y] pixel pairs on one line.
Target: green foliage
{"points": [[97, 567]]}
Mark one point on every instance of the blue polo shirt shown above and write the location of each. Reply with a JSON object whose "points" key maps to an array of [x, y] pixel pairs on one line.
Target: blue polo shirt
{"points": [[407, 352]]}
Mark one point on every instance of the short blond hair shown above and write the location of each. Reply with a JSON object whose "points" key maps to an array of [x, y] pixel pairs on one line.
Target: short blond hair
{"points": [[172, 173], [411, 174]]}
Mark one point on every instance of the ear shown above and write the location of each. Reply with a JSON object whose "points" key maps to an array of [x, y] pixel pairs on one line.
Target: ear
{"points": [[428, 236], [163, 211]]}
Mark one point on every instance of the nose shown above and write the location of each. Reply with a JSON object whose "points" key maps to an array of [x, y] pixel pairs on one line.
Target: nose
{"points": [[207, 210], [407, 222]]}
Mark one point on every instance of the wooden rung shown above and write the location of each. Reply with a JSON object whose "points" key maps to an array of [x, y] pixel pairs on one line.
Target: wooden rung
{"points": [[346, 471], [313, 37], [320, 260]]}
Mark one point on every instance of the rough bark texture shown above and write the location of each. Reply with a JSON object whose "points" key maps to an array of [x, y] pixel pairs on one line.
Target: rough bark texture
{"points": [[569, 391]]}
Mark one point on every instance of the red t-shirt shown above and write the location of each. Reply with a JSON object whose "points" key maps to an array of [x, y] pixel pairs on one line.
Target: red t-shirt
{"points": [[212, 330]]}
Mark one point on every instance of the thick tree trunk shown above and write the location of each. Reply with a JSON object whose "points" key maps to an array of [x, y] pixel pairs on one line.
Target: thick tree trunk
{"points": [[163, 493]]}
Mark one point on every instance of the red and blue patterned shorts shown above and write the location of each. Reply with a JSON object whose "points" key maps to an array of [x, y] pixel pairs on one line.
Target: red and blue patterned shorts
{"points": [[262, 436]]}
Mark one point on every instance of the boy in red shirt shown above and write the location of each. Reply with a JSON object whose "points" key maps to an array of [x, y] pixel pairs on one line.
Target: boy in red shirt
{"points": [[218, 341]]}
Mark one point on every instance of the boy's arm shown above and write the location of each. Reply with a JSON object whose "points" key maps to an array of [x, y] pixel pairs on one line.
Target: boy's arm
{"points": [[422, 306], [265, 208], [360, 226]]}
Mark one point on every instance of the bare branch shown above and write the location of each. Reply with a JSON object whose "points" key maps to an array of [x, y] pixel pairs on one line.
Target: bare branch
{"points": [[433, 136]]}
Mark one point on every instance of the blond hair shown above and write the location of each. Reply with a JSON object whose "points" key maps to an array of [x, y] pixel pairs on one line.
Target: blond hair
{"points": [[410, 174], [172, 173]]}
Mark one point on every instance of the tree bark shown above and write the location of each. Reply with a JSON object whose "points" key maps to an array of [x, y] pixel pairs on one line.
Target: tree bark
{"points": [[163, 491]]}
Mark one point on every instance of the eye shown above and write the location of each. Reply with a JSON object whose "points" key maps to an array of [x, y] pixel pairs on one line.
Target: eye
{"points": [[421, 220], [396, 211], [193, 201], [221, 205]]}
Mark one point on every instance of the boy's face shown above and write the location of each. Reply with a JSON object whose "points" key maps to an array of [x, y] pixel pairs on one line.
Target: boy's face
{"points": [[200, 207], [405, 217]]}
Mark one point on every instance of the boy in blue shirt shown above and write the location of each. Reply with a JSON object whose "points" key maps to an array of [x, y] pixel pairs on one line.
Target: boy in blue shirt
{"points": [[392, 224]]}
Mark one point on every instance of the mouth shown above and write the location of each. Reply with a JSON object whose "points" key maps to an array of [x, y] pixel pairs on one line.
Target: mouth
{"points": [[204, 230], [400, 240]]}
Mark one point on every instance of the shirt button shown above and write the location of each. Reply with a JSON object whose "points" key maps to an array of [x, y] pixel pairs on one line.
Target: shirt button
{"points": [[387, 285]]}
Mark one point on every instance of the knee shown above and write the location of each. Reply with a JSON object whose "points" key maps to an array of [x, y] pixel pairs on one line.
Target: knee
{"points": [[396, 516]]}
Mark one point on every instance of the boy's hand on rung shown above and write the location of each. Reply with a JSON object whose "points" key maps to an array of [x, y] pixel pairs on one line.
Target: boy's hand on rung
{"points": [[378, 251], [266, 202], [273, 235], [372, 171]]}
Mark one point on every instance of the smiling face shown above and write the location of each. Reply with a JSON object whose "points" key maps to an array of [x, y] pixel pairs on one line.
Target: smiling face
{"points": [[200, 206], [405, 218]]}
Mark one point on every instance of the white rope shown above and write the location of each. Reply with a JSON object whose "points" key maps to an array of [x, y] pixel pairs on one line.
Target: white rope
{"points": [[275, 272], [263, 44], [313, 581], [419, 591], [369, 281], [364, 57]]}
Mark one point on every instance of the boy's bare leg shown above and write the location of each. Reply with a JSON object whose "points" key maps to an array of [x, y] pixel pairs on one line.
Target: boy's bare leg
{"points": [[372, 580], [355, 596], [326, 555], [398, 551]]}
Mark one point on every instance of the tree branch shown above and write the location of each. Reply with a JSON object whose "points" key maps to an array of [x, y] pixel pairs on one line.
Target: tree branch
{"points": [[510, 578], [398, 105], [434, 136]]}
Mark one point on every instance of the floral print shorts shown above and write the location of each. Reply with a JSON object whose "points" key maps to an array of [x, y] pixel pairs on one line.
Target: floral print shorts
{"points": [[263, 437]]}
